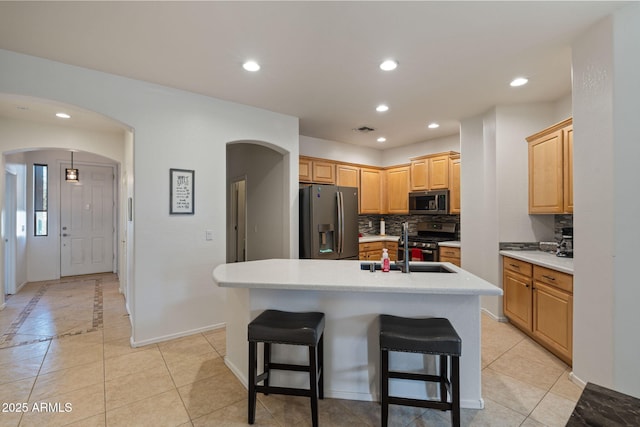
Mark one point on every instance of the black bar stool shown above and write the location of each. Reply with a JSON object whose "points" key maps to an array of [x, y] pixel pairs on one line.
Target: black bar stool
{"points": [[428, 336], [281, 327]]}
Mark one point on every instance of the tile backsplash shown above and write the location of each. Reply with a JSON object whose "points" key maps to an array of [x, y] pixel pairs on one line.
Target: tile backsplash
{"points": [[393, 223]]}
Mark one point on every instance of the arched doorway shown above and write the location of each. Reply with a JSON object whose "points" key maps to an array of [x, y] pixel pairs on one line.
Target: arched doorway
{"points": [[257, 201]]}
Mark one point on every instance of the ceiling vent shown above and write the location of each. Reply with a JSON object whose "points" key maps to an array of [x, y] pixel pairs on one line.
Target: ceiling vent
{"points": [[363, 129]]}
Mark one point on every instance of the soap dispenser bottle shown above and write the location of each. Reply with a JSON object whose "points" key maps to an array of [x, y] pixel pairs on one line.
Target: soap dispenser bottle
{"points": [[386, 264]]}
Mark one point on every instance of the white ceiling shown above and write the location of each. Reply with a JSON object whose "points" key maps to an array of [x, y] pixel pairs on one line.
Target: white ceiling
{"points": [[319, 59]]}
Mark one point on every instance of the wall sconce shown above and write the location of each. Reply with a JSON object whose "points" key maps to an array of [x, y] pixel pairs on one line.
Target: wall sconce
{"points": [[71, 174]]}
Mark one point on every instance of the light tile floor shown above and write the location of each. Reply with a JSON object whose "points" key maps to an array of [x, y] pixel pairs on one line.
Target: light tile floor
{"points": [[65, 359]]}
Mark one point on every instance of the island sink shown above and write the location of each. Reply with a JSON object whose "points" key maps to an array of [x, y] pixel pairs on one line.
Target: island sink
{"points": [[413, 267]]}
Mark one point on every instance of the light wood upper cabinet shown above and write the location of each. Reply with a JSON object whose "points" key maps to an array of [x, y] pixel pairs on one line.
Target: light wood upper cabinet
{"points": [[324, 172], [398, 190], [347, 175], [419, 174], [454, 185], [431, 172], [305, 173], [371, 197], [438, 172], [551, 169], [316, 170]]}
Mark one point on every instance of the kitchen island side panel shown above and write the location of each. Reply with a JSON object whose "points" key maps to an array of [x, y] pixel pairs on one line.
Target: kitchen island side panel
{"points": [[352, 365]]}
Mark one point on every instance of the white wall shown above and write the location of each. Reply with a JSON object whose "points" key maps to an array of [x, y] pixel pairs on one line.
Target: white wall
{"points": [[626, 105], [348, 153], [400, 155], [173, 290], [606, 59], [514, 123], [593, 218], [16, 164]]}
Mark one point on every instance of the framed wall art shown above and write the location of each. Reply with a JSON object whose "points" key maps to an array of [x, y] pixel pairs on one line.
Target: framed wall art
{"points": [[181, 191]]}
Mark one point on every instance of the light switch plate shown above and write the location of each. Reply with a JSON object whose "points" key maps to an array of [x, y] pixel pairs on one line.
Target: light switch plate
{"points": [[208, 235]]}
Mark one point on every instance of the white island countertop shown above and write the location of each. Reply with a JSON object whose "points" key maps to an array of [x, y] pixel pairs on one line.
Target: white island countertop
{"points": [[343, 275]]}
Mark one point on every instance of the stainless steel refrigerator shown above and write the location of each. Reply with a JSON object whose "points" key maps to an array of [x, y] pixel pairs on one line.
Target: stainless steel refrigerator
{"points": [[329, 222]]}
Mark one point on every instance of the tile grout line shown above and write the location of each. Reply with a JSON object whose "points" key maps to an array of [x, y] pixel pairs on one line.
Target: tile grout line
{"points": [[22, 317], [97, 318]]}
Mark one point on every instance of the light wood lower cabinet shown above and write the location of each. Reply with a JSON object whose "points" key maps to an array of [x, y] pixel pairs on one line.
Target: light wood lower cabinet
{"points": [[539, 301], [448, 254], [372, 251]]}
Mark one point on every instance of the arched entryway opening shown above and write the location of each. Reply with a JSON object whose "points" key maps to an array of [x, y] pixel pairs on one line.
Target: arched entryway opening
{"points": [[30, 135], [258, 214]]}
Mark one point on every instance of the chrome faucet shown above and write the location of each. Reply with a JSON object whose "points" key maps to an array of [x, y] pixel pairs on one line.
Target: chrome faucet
{"points": [[405, 239]]}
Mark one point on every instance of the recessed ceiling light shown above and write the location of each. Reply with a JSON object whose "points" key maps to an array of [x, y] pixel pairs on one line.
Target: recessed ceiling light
{"points": [[389, 65], [382, 108], [433, 125], [520, 81], [382, 139], [251, 66], [63, 115]]}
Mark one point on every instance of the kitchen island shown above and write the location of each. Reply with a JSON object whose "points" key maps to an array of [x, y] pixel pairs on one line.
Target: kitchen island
{"points": [[352, 299]]}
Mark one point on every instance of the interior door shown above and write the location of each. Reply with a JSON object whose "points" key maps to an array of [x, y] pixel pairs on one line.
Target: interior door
{"points": [[86, 222]]}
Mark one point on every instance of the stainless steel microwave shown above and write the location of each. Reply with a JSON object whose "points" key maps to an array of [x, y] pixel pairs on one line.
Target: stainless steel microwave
{"points": [[429, 202]]}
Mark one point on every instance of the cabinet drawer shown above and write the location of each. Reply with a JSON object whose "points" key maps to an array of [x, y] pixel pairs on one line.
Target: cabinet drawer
{"points": [[371, 246], [518, 266], [553, 278], [449, 252]]}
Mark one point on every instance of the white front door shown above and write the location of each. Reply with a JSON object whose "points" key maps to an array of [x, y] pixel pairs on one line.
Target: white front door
{"points": [[86, 222]]}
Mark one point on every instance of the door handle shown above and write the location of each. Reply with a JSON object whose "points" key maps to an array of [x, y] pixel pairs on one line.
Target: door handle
{"points": [[65, 235]]}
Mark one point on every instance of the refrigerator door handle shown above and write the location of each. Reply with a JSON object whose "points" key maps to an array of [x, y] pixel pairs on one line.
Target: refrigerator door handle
{"points": [[340, 221]]}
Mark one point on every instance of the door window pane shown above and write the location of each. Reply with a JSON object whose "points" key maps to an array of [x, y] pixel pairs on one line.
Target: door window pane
{"points": [[40, 199]]}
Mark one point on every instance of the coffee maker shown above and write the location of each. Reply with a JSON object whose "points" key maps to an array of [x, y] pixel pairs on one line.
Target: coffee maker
{"points": [[565, 248]]}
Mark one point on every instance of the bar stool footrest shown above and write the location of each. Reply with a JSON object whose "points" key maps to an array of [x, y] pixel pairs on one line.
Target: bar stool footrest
{"points": [[433, 404], [283, 390]]}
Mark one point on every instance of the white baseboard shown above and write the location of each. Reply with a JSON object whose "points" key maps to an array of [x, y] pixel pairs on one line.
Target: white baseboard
{"points": [[176, 335], [577, 381], [493, 316]]}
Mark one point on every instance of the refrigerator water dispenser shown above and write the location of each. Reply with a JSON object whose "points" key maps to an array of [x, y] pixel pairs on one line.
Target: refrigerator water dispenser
{"points": [[326, 238]]}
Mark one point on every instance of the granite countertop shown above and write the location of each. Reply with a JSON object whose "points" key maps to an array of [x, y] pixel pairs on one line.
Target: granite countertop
{"points": [[543, 259], [600, 406], [344, 275], [451, 244], [378, 238]]}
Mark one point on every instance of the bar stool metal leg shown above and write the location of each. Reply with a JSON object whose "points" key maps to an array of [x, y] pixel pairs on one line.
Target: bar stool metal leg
{"points": [[267, 362], [321, 367], [384, 386], [313, 384], [443, 378], [455, 391], [253, 366]]}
